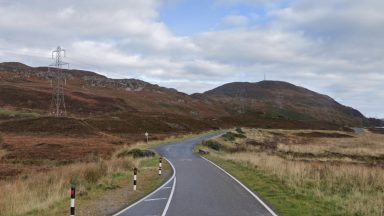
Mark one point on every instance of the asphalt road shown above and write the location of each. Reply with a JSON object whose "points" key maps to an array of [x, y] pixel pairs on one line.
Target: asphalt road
{"points": [[197, 188]]}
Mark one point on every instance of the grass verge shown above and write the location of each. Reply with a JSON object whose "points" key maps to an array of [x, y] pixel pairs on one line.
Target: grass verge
{"points": [[300, 187], [43, 194], [287, 201]]}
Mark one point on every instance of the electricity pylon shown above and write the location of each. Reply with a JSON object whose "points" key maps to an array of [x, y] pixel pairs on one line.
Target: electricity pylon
{"points": [[58, 82]]}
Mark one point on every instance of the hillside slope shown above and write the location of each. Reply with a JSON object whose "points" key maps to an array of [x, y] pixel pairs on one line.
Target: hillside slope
{"points": [[89, 94], [275, 99]]}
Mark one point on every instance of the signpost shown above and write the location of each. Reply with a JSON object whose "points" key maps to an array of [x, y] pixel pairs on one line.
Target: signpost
{"points": [[146, 135]]}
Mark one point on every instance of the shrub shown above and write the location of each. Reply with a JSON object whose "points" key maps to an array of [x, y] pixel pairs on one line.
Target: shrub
{"points": [[136, 153], [240, 131], [230, 136], [212, 144], [241, 136]]}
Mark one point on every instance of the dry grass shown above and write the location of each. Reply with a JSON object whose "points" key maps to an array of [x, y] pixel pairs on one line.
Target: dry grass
{"points": [[41, 190], [2, 153], [365, 144], [358, 189]]}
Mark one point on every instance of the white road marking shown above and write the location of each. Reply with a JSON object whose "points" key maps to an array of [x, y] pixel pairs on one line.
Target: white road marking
{"points": [[245, 187], [155, 191], [155, 199], [173, 189]]}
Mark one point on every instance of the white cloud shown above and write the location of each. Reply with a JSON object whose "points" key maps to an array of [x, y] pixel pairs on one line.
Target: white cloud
{"points": [[331, 46], [235, 20], [66, 13]]}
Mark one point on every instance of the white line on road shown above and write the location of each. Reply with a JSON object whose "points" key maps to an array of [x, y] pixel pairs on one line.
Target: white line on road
{"points": [[159, 188], [155, 199], [173, 189], [245, 187]]}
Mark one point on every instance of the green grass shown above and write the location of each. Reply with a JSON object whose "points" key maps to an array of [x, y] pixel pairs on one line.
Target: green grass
{"points": [[121, 175], [17, 114], [287, 201], [150, 162]]}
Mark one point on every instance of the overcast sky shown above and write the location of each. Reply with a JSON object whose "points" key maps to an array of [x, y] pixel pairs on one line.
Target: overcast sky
{"points": [[335, 47]]}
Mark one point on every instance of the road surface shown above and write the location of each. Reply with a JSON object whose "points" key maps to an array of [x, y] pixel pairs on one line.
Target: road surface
{"points": [[197, 188]]}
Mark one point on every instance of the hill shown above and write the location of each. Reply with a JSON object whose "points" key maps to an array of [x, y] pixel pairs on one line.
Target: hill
{"points": [[91, 95], [281, 100], [104, 114]]}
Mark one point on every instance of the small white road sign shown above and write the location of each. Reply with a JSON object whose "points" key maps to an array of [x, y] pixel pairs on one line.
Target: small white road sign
{"points": [[146, 135]]}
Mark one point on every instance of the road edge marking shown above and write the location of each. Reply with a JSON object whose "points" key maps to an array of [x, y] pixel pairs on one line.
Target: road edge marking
{"points": [[172, 191], [153, 192], [245, 187], [155, 199]]}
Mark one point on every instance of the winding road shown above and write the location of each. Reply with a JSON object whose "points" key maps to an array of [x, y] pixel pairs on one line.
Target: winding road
{"points": [[197, 188]]}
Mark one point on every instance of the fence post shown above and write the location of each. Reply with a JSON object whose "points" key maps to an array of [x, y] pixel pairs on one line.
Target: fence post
{"points": [[160, 165], [73, 193], [134, 178]]}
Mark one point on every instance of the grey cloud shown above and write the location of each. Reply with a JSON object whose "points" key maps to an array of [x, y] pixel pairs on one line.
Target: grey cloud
{"points": [[330, 46]]}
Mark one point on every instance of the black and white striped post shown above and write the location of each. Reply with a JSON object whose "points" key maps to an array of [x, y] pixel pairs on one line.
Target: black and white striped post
{"points": [[160, 165], [73, 193], [134, 178]]}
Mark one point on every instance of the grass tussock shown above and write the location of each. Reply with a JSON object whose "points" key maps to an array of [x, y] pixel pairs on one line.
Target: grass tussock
{"points": [[346, 187]]}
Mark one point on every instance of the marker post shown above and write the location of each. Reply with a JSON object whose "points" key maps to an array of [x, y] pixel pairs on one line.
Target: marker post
{"points": [[160, 165], [134, 178], [73, 193]]}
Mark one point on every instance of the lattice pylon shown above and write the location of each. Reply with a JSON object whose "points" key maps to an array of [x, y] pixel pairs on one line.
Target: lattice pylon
{"points": [[58, 107]]}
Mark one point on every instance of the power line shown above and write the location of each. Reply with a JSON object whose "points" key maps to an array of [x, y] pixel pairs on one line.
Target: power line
{"points": [[58, 107]]}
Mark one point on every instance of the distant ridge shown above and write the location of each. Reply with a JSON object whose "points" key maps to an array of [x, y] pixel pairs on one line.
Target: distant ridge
{"points": [[279, 99], [90, 94]]}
